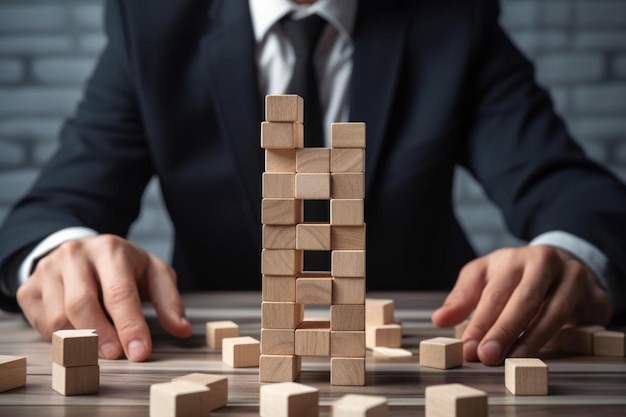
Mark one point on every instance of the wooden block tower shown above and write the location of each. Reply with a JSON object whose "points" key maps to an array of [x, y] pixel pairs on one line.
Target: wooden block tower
{"points": [[292, 175], [75, 369]]}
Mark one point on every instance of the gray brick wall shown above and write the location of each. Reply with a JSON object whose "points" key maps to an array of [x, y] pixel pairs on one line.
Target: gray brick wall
{"points": [[48, 48]]}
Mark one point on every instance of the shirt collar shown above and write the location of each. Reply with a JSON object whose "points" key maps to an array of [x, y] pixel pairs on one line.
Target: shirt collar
{"points": [[265, 13]]}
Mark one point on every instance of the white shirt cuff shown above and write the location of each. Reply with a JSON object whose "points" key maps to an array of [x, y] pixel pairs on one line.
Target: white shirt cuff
{"points": [[47, 245]]}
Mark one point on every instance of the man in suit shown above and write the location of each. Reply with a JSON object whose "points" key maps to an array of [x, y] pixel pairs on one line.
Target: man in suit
{"points": [[177, 94]]}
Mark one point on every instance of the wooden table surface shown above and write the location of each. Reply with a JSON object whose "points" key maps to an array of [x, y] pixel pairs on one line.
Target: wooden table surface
{"points": [[579, 385]]}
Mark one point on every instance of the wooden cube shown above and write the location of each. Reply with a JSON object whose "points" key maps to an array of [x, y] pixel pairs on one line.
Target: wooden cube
{"points": [[284, 108], [279, 368], [313, 236], [217, 384], [348, 290], [313, 160], [348, 263], [314, 290], [387, 352], [279, 237], [75, 380], [282, 135], [12, 372], [279, 185], [347, 371], [347, 317], [441, 353], [347, 212], [241, 352], [347, 344], [347, 135], [179, 399], [355, 405], [379, 311], [313, 186], [281, 315], [277, 341], [526, 376], [347, 185], [280, 160], [75, 347], [385, 335], [608, 343], [281, 211], [279, 288], [289, 399], [347, 160], [459, 329], [455, 400], [216, 331], [281, 262], [579, 339], [347, 237], [313, 338]]}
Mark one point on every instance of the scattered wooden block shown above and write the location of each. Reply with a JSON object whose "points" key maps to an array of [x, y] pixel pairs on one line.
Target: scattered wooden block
{"points": [[347, 317], [348, 290], [282, 135], [179, 399], [459, 329], [388, 352], [347, 237], [279, 368], [313, 338], [277, 342], [313, 160], [12, 372], [216, 331], [347, 371], [455, 400], [608, 343], [348, 263], [314, 290], [75, 347], [280, 160], [313, 186], [281, 211], [383, 335], [379, 311], [313, 236], [217, 384], [579, 339], [284, 108], [279, 288], [241, 352], [347, 160], [347, 344], [354, 405], [346, 212], [347, 185], [281, 315], [347, 135], [279, 185], [75, 380], [526, 376], [281, 262], [289, 399], [279, 237], [441, 353]]}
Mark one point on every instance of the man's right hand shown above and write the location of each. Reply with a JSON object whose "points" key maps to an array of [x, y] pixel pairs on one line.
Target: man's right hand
{"points": [[82, 281]]}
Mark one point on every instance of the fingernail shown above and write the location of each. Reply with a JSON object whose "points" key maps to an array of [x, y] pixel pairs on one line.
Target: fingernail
{"points": [[136, 350], [520, 351], [469, 350], [492, 349], [109, 350], [184, 322]]}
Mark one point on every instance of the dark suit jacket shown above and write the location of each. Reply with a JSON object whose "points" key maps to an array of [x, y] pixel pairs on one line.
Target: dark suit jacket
{"points": [[437, 82]]}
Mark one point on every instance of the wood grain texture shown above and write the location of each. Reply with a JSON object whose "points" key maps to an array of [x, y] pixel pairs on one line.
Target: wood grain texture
{"points": [[347, 237], [526, 376], [281, 211], [347, 185], [284, 108], [280, 160], [313, 186], [217, 384], [313, 160], [455, 400], [12, 372], [347, 135], [216, 331], [178, 399], [289, 399], [313, 236], [279, 237], [75, 380], [75, 347], [317, 290], [279, 185], [241, 352], [441, 353], [347, 212], [347, 160], [282, 135]]}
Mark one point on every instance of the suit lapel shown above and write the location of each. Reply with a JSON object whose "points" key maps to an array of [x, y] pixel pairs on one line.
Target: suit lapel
{"points": [[230, 50], [379, 38]]}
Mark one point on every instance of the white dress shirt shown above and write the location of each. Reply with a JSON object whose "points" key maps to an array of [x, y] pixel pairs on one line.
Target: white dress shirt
{"points": [[333, 61]]}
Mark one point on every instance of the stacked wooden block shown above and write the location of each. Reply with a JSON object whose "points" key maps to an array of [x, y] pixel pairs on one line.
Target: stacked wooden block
{"points": [[593, 340], [75, 369], [381, 328], [292, 175]]}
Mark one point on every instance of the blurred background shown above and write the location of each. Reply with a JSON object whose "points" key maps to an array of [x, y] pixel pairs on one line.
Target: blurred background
{"points": [[48, 49]]}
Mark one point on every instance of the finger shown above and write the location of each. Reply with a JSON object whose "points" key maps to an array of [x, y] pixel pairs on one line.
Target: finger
{"points": [[520, 310], [84, 309], [53, 292], [30, 301], [162, 291]]}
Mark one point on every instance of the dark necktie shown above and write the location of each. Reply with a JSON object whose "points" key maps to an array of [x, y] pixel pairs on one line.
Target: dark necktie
{"points": [[304, 35]]}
